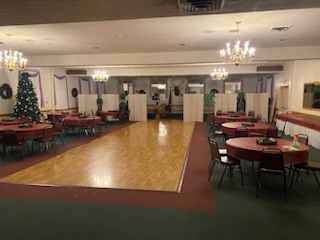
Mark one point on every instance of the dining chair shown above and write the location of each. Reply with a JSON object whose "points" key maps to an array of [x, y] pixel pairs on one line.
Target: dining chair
{"points": [[251, 113], [88, 126], [255, 134], [103, 123], [272, 132], [222, 151], [281, 132], [214, 126], [311, 166], [271, 163], [303, 138], [241, 132], [10, 139], [227, 161], [58, 130], [46, 138]]}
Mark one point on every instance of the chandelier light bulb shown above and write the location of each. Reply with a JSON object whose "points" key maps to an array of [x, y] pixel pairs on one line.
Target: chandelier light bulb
{"points": [[237, 54], [100, 76], [12, 59], [219, 74]]}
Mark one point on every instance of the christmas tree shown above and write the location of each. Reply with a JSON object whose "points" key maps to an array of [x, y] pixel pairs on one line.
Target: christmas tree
{"points": [[26, 99]]}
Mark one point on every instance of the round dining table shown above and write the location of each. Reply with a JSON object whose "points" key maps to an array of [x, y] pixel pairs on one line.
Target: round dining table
{"points": [[247, 148], [12, 122], [229, 118], [231, 127], [33, 131], [80, 120]]}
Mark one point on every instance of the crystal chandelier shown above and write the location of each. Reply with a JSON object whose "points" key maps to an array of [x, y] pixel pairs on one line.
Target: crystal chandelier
{"points": [[12, 59], [100, 76], [219, 74], [237, 54]]}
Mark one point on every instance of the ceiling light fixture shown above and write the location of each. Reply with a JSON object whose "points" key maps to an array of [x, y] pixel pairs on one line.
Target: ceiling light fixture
{"points": [[100, 76], [237, 54], [219, 74], [12, 59]]}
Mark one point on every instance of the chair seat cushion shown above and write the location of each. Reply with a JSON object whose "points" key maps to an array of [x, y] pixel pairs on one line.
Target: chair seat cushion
{"points": [[272, 171], [229, 160], [223, 151], [313, 166]]}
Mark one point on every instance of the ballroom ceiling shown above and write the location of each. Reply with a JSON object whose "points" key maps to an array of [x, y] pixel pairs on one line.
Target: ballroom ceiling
{"points": [[45, 27]]}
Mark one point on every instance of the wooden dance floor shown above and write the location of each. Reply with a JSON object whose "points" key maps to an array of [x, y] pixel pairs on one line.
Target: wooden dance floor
{"points": [[143, 156]]}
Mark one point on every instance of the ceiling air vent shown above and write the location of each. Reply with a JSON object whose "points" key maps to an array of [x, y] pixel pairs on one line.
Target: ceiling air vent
{"points": [[200, 5], [76, 72], [280, 29], [269, 68]]}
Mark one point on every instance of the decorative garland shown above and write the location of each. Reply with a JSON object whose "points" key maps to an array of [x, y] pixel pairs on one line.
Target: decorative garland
{"points": [[74, 92], [6, 91]]}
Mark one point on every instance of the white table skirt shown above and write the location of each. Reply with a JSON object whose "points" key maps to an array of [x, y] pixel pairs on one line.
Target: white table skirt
{"points": [[291, 129]]}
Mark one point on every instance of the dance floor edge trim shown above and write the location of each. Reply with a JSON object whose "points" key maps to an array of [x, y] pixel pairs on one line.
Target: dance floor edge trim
{"points": [[196, 192]]}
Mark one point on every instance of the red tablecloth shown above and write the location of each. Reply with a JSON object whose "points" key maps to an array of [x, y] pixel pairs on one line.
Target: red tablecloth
{"points": [[246, 148], [112, 113], [300, 120], [228, 118], [14, 122], [35, 130], [230, 128], [79, 121]]}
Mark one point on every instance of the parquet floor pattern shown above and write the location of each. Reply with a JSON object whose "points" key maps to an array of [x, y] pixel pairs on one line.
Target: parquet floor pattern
{"points": [[143, 156]]}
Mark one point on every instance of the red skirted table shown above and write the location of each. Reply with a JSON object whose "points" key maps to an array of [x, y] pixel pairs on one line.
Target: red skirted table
{"points": [[247, 148], [79, 121], [230, 128], [12, 122], [33, 131], [229, 118]]}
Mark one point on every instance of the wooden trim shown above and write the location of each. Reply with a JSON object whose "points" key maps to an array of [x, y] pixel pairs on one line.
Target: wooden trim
{"points": [[306, 115]]}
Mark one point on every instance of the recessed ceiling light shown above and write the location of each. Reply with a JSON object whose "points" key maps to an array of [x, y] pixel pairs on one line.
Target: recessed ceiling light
{"points": [[120, 36], [280, 29], [209, 31], [96, 48]]}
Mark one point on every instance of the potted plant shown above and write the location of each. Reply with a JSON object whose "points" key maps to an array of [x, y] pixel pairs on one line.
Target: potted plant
{"points": [[99, 103], [209, 102]]}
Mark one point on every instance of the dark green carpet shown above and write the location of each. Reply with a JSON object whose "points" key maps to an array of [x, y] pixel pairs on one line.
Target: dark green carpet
{"points": [[239, 215]]}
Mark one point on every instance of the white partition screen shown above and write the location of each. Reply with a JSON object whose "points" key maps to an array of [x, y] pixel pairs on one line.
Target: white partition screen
{"points": [[225, 102], [87, 103], [193, 107], [137, 104], [258, 102], [110, 102]]}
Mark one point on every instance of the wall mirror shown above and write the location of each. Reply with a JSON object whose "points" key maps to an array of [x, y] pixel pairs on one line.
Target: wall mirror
{"points": [[232, 87], [311, 96]]}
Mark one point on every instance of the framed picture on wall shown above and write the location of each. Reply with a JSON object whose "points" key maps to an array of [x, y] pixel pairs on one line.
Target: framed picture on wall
{"points": [[232, 87]]}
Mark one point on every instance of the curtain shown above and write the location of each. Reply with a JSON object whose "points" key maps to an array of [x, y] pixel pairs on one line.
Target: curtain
{"points": [[60, 92], [84, 85]]}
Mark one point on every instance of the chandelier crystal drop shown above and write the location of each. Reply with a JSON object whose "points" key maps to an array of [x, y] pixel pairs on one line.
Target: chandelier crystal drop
{"points": [[237, 54], [12, 59], [100, 76], [219, 74]]}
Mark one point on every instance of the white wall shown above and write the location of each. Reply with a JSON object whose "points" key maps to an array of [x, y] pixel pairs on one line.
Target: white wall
{"points": [[303, 71]]}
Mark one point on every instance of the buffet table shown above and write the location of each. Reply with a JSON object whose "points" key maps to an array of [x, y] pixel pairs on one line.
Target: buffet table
{"points": [[300, 124]]}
